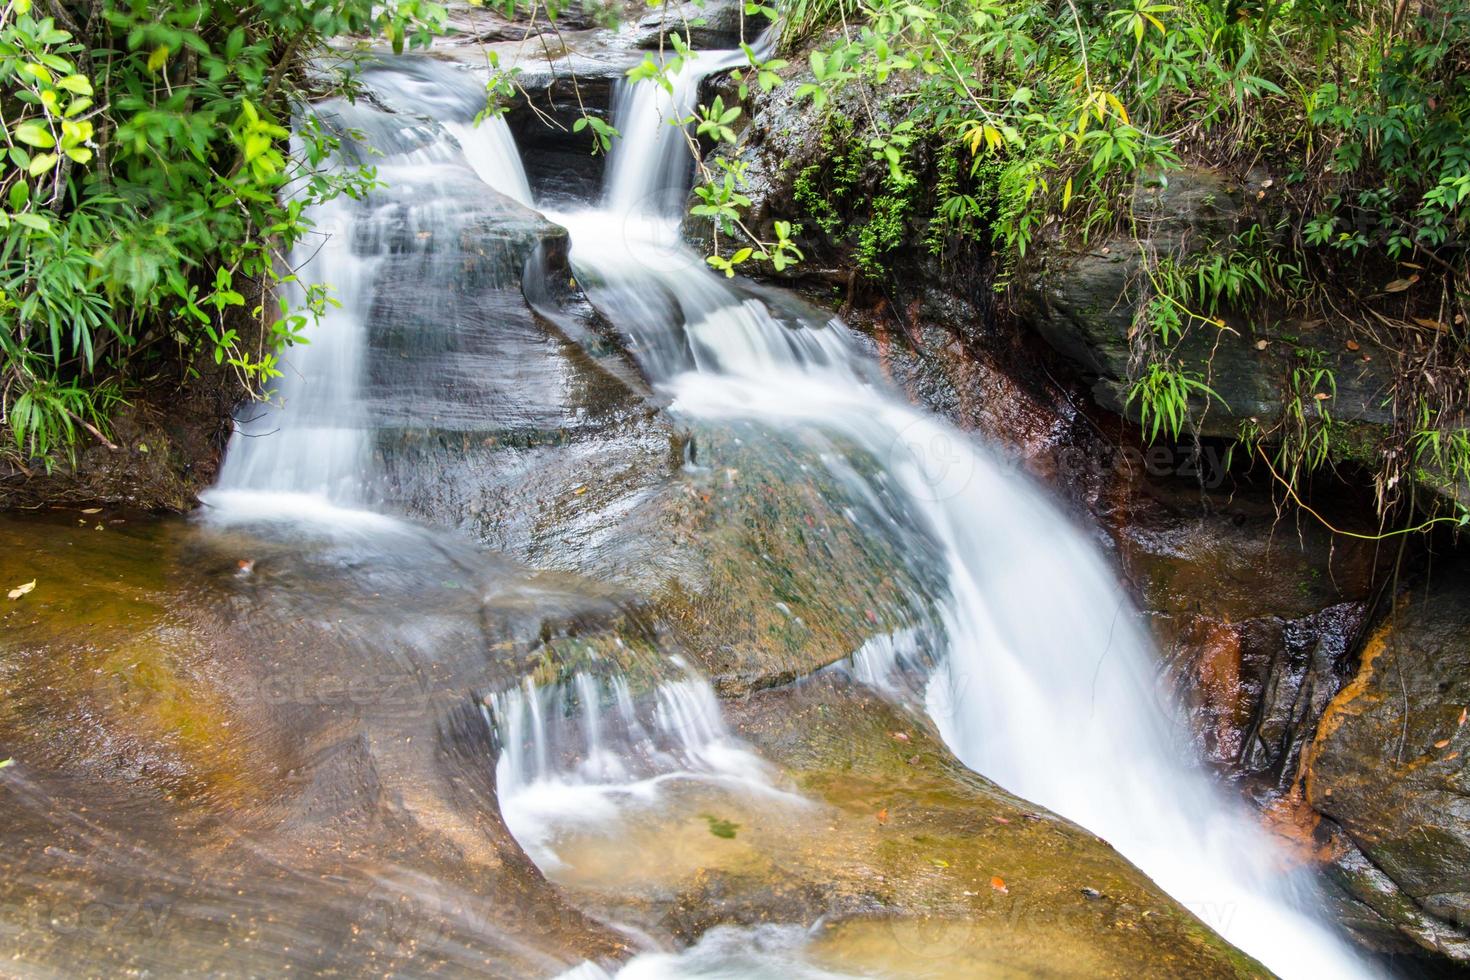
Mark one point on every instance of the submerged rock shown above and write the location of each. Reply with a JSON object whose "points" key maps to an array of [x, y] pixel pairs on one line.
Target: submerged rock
{"points": [[878, 853], [220, 771]]}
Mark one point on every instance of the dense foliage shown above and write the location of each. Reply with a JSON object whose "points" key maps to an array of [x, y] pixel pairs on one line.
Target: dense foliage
{"points": [[1057, 113], [149, 192], [1013, 121]]}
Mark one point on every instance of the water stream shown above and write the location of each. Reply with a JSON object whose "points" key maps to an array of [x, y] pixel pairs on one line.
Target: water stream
{"points": [[1047, 684], [621, 777]]}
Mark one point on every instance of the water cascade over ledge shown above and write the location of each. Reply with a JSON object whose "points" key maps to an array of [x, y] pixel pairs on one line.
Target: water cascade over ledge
{"points": [[1032, 665], [1047, 681]]}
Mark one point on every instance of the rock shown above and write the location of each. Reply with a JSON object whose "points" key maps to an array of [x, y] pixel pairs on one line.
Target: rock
{"points": [[705, 25], [1083, 303], [929, 866], [786, 570], [1389, 763], [1257, 621], [879, 853], [210, 773]]}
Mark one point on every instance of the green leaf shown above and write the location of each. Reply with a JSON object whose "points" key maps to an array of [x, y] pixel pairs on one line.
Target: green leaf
{"points": [[35, 133], [40, 164], [34, 221], [77, 84]]}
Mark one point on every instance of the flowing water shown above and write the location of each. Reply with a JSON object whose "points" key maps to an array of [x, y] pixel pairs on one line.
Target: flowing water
{"points": [[616, 770], [1047, 683]]}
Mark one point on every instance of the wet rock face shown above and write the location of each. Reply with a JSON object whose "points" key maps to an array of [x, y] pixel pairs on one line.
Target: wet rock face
{"points": [[1257, 619], [704, 25], [1389, 763], [911, 864], [1084, 304]]}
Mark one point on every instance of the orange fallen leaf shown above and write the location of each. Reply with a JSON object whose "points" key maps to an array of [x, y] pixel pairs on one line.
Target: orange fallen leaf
{"points": [[1321, 396], [1399, 285], [1442, 743], [1463, 713], [999, 884], [882, 815], [1452, 757], [1352, 345], [1427, 323]]}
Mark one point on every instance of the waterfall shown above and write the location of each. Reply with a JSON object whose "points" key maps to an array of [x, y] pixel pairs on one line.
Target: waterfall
{"points": [[307, 449], [580, 756], [1046, 681], [650, 167]]}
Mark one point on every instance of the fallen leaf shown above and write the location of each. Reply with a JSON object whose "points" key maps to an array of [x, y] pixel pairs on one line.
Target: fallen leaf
{"points": [[1260, 345], [1452, 757], [580, 490], [882, 815], [1352, 345], [1000, 819], [999, 884], [1463, 712], [21, 590], [939, 862], [1399, 285], [92, 510], [1442, 743], [901, 736], [1428, 323], [1321, 396]]}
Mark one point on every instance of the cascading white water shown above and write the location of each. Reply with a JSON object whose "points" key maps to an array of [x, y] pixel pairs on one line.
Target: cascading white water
{"points": [[649, 170], [307, 450], [575, 757], [1047, 682]]}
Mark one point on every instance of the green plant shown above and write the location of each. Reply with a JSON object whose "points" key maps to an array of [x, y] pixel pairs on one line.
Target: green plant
{"points": [[1163, 395], [153, 192]]}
